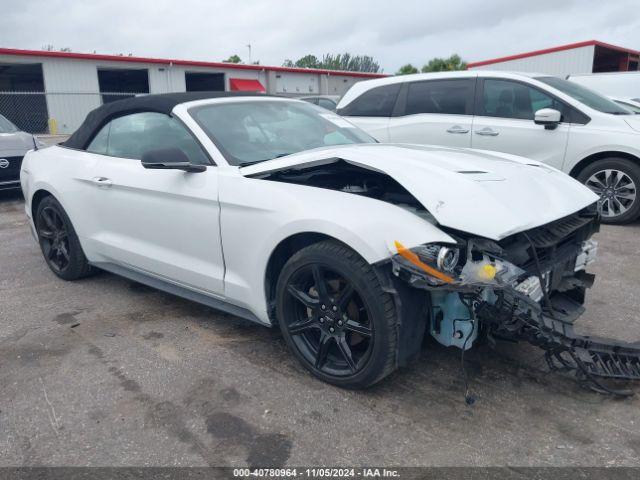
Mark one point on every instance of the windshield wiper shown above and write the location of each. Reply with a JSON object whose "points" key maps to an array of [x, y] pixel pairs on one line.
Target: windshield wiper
{"points": [[246, 164], [253, 162]]}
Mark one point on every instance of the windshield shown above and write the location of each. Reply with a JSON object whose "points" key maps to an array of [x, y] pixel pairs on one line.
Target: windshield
{"points": [[254, 131], [6, 126], [584, 95]]}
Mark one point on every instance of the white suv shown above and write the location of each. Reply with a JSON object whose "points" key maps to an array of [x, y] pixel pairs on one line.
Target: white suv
{"points": [[538, 116]]}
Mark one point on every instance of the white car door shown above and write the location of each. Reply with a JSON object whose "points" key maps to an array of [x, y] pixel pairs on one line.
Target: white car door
{"points": [[504, 121], [437, 112], [371, 110], [163, 223]]}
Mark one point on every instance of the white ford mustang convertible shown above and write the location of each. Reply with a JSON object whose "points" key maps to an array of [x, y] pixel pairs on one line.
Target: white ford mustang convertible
{"points": [[285, 214]]}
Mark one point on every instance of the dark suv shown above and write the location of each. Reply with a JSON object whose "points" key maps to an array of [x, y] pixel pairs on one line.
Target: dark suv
{"points": [[13, 145]]}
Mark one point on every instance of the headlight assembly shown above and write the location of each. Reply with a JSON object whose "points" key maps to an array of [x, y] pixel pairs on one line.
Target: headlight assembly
{"points": [[448, 259], [444, 257], [440, 265], [424, 259]]}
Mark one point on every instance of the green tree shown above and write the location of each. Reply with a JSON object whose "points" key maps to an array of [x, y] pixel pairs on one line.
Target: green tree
{"points": [[233, 59], [407, 70], [308, 61], [454, 62], [341, 61], [350, 63]]}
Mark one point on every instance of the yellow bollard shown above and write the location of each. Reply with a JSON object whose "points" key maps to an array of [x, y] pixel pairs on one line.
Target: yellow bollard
{"points": [[53, 126]]}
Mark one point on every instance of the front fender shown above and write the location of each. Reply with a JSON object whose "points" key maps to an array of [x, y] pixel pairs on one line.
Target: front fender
{"points": [[582, 147], [257, 215]]}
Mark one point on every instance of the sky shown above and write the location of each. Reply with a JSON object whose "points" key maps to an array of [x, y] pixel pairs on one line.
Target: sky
{"points": [[393, 32]]}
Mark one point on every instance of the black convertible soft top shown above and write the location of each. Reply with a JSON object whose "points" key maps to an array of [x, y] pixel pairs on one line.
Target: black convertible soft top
{"points": [[161, 103]]}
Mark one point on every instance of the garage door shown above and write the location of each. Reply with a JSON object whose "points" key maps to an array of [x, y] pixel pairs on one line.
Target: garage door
{"points": [[118, 83], [22, 97], [204, 82]]}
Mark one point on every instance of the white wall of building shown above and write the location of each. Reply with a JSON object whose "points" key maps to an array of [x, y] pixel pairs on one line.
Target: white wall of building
{"points": [[561, 63], [297, 83], [73, 85], [339, 84]]}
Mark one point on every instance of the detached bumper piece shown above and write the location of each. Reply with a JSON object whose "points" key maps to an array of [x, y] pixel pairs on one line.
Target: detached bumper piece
{"points": [[515, 317]]}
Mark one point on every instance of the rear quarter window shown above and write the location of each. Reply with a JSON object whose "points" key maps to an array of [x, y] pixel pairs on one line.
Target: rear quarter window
{"points": [[377, 102]]}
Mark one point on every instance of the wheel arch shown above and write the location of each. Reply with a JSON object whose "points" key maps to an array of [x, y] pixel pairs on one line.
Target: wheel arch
{"points": [[594, 157], [36, 198], [409, 302], [288, 247]]}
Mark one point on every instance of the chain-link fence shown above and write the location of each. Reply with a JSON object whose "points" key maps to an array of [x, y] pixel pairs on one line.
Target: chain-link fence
{"points": [[53, 113]]}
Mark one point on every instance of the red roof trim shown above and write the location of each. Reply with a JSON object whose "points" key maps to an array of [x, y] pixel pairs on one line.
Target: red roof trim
{"points": [[188, 63], [560, 48]]}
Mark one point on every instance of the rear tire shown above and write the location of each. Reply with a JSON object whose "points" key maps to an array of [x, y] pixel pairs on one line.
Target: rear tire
{"points": [[59, 242], [335, 317], [617, 181]]}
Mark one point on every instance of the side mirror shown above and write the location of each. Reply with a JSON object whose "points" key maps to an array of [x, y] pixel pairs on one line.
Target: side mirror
{"points": [[170, 159], [548, 117]]}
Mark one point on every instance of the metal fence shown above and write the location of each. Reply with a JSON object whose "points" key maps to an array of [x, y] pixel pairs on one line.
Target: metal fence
{"points": [[53, 113]]}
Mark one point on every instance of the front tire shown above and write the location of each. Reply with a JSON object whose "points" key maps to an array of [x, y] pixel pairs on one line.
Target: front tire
{"points": [[59, 242], [617, 181], [335, 317]]}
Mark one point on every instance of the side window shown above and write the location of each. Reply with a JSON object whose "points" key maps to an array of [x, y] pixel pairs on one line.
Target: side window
{"points": [[99, 142], [133, 135], [377, 102], [507, 99], [454, 97], [540, 100]]}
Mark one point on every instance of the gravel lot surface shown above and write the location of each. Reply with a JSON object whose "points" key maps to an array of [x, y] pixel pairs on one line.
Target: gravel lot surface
{"points": [[106, 372]]}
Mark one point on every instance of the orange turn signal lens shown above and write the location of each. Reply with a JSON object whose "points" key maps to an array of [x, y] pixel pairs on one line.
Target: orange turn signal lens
{"points": [[415, 260]]}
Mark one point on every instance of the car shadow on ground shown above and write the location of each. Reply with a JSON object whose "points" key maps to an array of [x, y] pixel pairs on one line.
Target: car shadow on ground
{"points": [[11, 195]]}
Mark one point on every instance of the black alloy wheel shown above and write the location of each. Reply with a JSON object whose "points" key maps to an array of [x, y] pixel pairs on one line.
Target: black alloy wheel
{"points": [[54, 239], [335, 317], [58, 241], [328, 320]]}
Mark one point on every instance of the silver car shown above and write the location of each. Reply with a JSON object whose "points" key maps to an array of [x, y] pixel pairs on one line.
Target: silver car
{"points": [[328, 102], [13, 146]]}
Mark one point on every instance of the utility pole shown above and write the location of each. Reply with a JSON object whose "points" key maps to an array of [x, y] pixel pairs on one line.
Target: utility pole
{"points": [[249, 47]]}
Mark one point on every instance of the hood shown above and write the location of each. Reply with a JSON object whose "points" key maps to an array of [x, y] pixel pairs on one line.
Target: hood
{"points": [[15, 143], [488, 194]]}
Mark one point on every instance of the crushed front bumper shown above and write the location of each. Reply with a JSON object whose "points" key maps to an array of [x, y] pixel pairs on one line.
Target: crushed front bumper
{"points": [[516, 317], [536, 296]]}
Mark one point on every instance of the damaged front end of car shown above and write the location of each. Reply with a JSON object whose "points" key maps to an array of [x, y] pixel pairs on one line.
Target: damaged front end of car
{"points": [[528, 287]]}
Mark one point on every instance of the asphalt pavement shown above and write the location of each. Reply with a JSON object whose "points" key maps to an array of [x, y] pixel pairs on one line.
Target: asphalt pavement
{"points": [[106, 372]]}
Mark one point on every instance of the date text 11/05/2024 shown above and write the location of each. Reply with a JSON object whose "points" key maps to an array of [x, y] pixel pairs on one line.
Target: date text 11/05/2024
{"points": [[321, 472]]}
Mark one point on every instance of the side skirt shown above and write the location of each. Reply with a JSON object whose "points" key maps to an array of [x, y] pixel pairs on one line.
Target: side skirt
{"points": [[179, 291]]}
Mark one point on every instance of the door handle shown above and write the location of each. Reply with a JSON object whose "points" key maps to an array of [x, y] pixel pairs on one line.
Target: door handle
{"points": [[487, 132], [457, 129], [102, 181]]}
